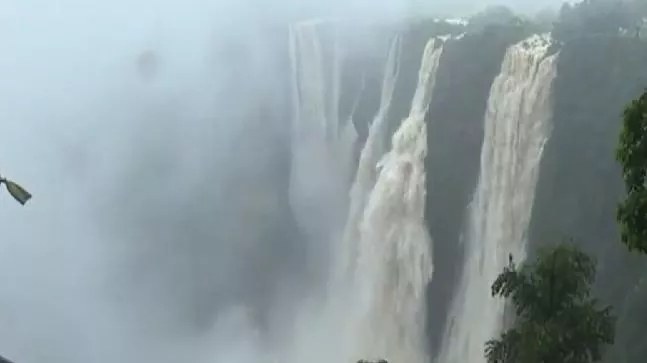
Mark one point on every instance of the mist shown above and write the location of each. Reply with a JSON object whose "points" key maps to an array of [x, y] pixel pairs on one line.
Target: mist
{"points": [[146, 131], [134, 243]]}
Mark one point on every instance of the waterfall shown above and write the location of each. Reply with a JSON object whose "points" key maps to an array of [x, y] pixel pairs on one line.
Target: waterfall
{"points": [[394, 262], [516, 130], [382, 262], [322, 143], [366, 174]]}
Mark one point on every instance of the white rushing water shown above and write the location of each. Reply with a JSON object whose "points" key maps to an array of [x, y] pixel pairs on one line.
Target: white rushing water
{"points": [[517, 126], [322, 143], [394, 250], [366, 174], [383, 262]]}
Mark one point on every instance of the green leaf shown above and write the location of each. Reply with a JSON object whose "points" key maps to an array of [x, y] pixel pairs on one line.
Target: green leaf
{"points": [[17, 192], [557, 319], [631, 153]]}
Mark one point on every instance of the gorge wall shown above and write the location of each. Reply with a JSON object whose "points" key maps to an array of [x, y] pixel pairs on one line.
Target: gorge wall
{"points": [[579, 181]]}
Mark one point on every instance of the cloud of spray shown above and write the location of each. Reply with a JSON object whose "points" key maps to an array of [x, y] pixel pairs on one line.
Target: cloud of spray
{"points": [[153, 137], [149, 204]]}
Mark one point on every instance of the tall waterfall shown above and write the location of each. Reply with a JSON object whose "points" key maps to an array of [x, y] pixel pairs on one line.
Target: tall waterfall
{"points": [[394, 262], [366, 174], [381, 263], [516, 130], [322, 143]]}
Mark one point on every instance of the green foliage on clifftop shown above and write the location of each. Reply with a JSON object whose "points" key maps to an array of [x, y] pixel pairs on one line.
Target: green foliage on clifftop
{"points": [[557, 319], [632, 155]]}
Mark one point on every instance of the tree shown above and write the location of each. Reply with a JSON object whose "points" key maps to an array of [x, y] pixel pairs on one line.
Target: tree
{"points": [[492, 16], [632, 155], [16, 191], [595, 17], [557, 319]]}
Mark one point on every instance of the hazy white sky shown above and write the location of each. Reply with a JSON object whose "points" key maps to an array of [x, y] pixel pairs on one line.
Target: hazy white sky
{"points": [[471, 6]]}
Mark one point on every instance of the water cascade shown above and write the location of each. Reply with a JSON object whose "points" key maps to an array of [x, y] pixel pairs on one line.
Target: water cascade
{"points": [[394, 260], [517, 126], [382, 262], [322, 143], [366, 174]]}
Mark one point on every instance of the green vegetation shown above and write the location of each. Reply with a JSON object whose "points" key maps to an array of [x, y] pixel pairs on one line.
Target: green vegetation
{"points": [[602, 65], [496, 15], [632, 155], [599, 17], [16, 191], [557, 319]]}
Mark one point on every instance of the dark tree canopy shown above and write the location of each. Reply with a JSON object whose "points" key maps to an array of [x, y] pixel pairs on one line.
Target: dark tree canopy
{"points": [[557, 319], [599, 17], [493, 16], [632, 155]]}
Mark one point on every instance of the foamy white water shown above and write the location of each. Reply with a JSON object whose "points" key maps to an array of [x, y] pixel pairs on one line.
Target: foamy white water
{"points": [[376, 305], [394, 261], [322, 144], [324, 151], [517, 126], [366, 174]]}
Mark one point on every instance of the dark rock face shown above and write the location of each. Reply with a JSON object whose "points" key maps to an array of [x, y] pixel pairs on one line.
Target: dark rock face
{"points": [[580, 182], [455, 135]]}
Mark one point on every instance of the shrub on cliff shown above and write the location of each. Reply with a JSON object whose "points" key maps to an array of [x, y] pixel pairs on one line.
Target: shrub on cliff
{"points": [[557, 319], [632, 155]]}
